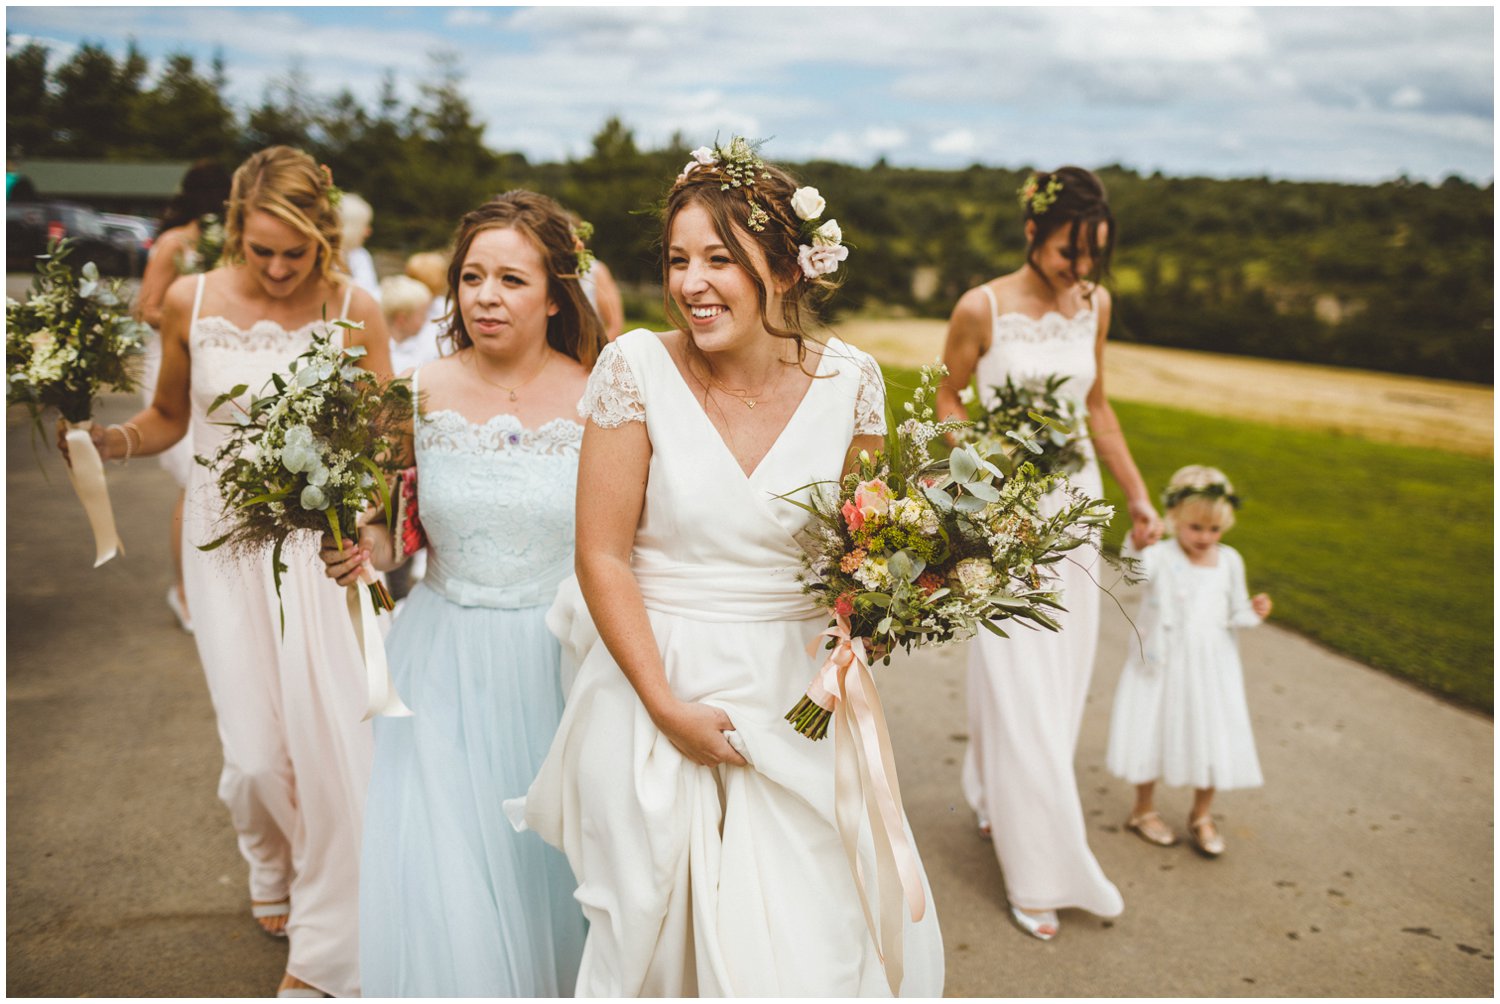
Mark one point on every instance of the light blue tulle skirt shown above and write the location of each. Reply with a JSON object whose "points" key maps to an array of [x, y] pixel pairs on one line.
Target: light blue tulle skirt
{"points": [[453, 901]]}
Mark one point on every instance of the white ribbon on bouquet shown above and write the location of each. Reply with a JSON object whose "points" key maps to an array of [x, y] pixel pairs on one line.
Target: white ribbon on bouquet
{"points": [[86, 471], [381, 697]]}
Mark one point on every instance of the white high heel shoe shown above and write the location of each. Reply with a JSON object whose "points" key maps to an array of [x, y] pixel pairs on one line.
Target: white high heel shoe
{"points": [[1042, 927]]}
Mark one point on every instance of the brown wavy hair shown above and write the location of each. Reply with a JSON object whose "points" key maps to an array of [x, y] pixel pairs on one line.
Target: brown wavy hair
{"points": [[575, 330], [288, 184], [1081, 205], [778, 239]]}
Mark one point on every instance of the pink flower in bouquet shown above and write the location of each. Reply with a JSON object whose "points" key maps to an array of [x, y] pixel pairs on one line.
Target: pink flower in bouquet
{"points": [[844, 605], [852, 560], [873, 498], [853, 517], [929, 582]]}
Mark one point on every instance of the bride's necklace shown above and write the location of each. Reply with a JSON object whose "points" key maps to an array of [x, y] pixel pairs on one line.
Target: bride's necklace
{"points": [[474, 361], [745, 397]]}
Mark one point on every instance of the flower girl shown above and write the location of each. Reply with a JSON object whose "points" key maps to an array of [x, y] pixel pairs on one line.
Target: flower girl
{"points": [[1180, 714]]}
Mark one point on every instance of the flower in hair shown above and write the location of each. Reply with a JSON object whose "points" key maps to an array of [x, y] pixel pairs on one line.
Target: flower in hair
{"points": [[1217, 490], [335, 193], [820, 259], [807, 203], [582, 231], [1039, 198], [702, 157]]}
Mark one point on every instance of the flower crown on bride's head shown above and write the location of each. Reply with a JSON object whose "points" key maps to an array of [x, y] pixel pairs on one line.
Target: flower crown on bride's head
{"points": [[739, 166], [1038, 197]]}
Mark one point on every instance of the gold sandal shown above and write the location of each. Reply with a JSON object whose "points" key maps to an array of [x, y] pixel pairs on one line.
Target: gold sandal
{"points": [[1210, 846], [1150, 827]]}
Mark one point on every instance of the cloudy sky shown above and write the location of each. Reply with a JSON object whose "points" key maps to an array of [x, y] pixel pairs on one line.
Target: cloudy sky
{"points": [[1342, 93]]}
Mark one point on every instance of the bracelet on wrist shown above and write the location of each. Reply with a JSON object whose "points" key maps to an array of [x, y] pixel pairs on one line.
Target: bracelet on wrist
{"points": [[129, 448]]}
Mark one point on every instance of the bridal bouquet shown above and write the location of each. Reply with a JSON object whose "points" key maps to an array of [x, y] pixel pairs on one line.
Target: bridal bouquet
{"points": [[68, 340], [911, 550], [312, 452], [1033, 416]]}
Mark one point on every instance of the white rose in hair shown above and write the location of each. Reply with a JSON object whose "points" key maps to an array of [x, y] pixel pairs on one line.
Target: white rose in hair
{"points": [[807, 203], [829, 234], [702, 157]]}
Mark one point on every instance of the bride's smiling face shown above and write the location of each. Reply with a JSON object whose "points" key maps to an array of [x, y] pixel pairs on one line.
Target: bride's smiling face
{"points": [[716, 295]]}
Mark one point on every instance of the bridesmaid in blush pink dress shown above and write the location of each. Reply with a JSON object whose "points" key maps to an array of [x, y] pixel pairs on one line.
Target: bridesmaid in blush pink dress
{"points": [[296, 755], [1027, 692]]}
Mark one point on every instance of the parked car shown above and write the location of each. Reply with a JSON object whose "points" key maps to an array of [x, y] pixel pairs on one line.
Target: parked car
{"points": [[134, 235], [29, 225]]}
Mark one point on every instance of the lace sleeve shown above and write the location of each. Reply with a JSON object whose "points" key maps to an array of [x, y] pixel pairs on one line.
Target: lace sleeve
{"points": [[869, 405], [612, 397]]}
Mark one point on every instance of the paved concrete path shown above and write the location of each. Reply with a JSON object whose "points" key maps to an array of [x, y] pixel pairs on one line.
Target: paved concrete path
{"points": [[1364, 867]]}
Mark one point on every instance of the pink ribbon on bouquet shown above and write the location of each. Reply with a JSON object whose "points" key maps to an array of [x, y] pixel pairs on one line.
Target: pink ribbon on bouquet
{"points": [[865, 775]]}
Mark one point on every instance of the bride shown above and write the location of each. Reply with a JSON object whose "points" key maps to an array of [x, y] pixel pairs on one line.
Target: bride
{"points": [[699, 824]]}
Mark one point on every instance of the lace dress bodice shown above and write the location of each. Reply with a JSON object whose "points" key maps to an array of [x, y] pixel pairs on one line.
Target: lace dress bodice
{"points": [[496, 500], [1024, 347]]}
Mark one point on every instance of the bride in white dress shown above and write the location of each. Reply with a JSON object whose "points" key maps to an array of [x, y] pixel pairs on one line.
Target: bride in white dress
{"points": [[1027, 692], [699, 824]]}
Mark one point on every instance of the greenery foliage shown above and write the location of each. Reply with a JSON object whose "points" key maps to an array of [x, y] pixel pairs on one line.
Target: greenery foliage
{"points": [[1396, 276]]}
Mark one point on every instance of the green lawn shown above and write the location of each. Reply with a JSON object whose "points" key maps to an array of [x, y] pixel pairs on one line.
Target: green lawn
{"points": [[1382, 552]]}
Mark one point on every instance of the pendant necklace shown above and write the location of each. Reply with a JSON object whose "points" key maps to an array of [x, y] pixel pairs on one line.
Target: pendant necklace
{"points": [[510, 390]]}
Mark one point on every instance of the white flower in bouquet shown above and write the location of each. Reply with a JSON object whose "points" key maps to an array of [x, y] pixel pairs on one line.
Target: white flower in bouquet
{"points": [[873, 573], [915, 513], [976, 577]]}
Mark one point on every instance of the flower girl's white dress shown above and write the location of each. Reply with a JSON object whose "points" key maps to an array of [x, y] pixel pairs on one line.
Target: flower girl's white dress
{"points": [[727, 881], [1180, 715]]}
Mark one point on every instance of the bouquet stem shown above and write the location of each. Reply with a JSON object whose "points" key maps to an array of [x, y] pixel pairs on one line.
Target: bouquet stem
{"points": [[381, 596], [810, 718]]}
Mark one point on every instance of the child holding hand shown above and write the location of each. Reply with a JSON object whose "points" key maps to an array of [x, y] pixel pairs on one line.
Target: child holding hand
{"points": [[1180, 714]]}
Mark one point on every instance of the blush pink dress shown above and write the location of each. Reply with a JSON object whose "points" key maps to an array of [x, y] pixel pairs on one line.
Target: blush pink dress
{"points": [[296, 755]]}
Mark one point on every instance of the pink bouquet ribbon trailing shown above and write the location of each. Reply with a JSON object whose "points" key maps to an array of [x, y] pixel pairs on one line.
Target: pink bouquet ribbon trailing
{"points": [[865, 775], [86, 472]]}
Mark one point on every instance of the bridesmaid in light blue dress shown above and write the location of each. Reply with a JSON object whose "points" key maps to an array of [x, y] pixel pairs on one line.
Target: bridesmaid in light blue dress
{"points": [[453, 902]]}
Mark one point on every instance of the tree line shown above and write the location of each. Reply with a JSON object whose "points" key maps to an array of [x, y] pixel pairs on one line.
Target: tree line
{"points": [[1396, 276]]}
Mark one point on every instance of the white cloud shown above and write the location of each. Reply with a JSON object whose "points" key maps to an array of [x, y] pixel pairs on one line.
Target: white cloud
{"points": [[1407, 97], [956, 143]]}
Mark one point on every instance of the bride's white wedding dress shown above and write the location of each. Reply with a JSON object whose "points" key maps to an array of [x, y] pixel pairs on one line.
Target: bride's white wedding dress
{"points": [[727, 881]]}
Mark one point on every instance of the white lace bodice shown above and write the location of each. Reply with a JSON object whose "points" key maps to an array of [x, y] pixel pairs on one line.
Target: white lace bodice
{"points": [[496, 500], [1025, 347], [613, 397]]}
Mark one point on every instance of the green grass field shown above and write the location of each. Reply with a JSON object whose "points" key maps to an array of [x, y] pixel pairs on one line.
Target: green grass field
{"points": [[1384, 553]]}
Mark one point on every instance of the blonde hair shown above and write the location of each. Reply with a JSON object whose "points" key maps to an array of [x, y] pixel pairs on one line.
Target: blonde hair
{"points": [[400, 294], [290, 186], [355, 215], [1201, 489], [431, 269]]}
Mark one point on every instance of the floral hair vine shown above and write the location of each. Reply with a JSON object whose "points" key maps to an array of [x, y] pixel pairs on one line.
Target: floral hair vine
{"points": [[738, 166], [1037, 197], [1217, 490], [583, 230], [335, 193]]}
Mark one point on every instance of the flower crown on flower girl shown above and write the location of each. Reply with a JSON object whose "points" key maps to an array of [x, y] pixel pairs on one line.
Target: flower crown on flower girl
{"points": [[1174, 497], [738, 166]]}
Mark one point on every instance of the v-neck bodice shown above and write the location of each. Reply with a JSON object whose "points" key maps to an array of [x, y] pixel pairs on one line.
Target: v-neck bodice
{"points": [[714, 543]]}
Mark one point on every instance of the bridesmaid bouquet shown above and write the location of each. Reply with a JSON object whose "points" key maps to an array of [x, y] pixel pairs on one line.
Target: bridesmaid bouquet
{"points": [[912, 550], [312, 453], [1033, 416], [72, 337]]}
